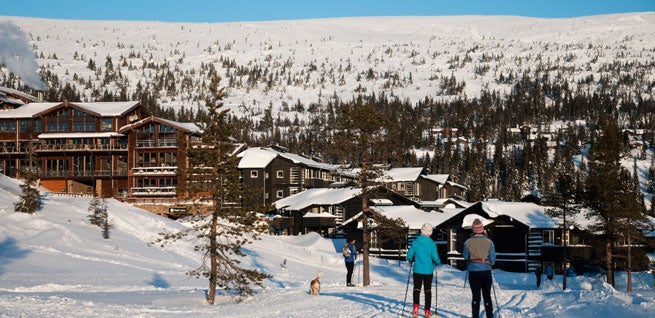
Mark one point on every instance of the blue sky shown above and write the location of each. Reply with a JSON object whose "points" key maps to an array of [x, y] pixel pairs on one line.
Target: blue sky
{"points": [[265, 10]]}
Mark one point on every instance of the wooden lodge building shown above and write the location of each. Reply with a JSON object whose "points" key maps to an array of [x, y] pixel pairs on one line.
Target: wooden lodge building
{"points": [[112, 149]]}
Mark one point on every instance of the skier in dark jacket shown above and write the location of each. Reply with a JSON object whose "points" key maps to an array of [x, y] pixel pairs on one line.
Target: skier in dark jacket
{"points": [[480, 254], [350, 262], [537, 274], [549, 272], [423, 253]]}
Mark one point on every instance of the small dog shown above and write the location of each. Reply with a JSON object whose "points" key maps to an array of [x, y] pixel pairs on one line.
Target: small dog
{"points": [[315, 285]]}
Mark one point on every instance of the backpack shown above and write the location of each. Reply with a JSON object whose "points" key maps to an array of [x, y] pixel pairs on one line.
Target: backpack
{"points": [[346, 251]]}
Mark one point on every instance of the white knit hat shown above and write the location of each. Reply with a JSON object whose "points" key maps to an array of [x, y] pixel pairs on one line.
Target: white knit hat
{"points": [[426, 229]]}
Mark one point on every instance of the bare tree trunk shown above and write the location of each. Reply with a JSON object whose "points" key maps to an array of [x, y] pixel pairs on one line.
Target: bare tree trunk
{"points": [[629, 263], [213, 272], [608, 262], [366, 277]]}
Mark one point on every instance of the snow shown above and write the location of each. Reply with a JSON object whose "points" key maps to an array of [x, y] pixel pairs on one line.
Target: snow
{"points": [[316, 55], [413, 217], [317, 196], [529, 214], [55, 264]]}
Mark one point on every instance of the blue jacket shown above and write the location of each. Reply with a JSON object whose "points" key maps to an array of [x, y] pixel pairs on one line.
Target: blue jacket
{"points": [[476, 249], [423, 253], [353, 254]]}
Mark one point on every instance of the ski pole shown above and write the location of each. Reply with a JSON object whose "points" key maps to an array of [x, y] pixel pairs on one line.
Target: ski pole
{"points": [[358, 271], [496, 298], [361, 272], [466, 277], [407, 288], [436, 291]]}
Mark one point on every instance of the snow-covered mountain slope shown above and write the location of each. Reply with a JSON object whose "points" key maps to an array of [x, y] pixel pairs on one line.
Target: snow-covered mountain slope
{"points": [[276, 64]]}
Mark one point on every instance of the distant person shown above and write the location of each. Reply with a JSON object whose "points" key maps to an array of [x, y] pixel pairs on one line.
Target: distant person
{"points": [[480, 254], [549, 272], [350, 255], [423, 254], [570, 272], [537, 274]]}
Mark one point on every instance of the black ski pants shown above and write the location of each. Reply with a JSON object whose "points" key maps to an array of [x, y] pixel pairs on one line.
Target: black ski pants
{"points": [[480, 283], [424, 280], [349, 275]]}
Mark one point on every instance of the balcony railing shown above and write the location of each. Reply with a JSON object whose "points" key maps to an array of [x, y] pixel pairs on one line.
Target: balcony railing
{"points": [[90, 173], [155, 144], [77, 147], [153, 191], [147, 171]]}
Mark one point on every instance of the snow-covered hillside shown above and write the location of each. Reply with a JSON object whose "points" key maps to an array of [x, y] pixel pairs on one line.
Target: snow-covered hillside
{"points": [[55, 264], [276, 64]]}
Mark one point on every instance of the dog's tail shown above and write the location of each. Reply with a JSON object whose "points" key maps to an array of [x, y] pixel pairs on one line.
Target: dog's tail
{"points": [[320, 273]]}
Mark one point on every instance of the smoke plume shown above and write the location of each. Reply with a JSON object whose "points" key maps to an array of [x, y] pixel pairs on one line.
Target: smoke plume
{"points": [[18, 57]]}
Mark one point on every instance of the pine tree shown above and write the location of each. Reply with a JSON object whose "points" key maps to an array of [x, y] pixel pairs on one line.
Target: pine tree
{"points": [[30, 198], [106, 225], [99, 216], [221, 235], [363, 131], [95, 209], [610, 199]]}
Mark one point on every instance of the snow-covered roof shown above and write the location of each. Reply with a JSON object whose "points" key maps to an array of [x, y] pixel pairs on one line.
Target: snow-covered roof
{"points": [[318, 196], [438, 178], [27, 110], [192, 127], [254, 158], [467, 222], [260, 157], [445, 203], [414, 218], [319, 215], [530, 214], [401, 174], [110, 109], [15, 92]]}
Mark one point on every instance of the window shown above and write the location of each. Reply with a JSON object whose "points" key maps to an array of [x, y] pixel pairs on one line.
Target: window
{"points": [[165, 128], [83, 121], [549, 237], [279, 194], [105, 124], [57, 122], [254, 174], [27, 125], [8, 125], [280, 174]]}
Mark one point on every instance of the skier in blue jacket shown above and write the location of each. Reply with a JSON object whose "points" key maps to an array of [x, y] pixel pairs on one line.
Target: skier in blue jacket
{"points": [[423, 254], [350, 262]]}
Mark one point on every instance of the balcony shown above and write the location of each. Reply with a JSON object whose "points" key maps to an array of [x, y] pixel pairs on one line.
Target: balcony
{"points": [[78, 147], [78, 174], [153, 191], [149, 171]]}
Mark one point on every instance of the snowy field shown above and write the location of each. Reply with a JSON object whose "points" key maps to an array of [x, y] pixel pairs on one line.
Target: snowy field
{"points": [[55, 264]]}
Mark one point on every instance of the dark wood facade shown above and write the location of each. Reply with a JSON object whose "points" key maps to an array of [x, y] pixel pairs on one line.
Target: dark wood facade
{"points": [[519, 246], [157, 148], [278, 174], [112, 149]]}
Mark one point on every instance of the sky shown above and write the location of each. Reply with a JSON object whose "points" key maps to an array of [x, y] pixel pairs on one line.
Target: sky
{"points": [[267, 10]]}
